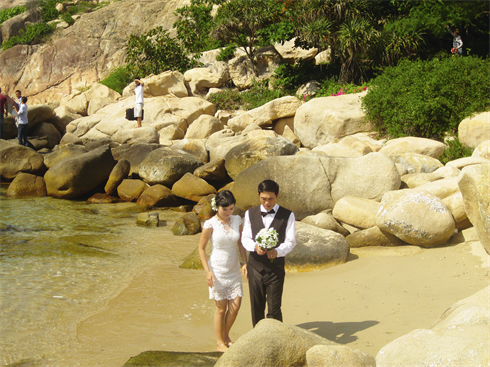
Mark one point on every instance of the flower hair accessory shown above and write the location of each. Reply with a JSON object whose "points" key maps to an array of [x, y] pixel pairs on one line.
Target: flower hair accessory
{"points": [[213, 204]]}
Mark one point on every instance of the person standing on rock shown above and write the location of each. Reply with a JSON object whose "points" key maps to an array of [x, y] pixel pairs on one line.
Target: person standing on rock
{"points": [[223, 269], [18, 99], [266, 267], [138, 100], [3, 111], [23, 123]]}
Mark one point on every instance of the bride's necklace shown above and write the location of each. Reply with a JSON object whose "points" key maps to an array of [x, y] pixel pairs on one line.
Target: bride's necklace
{"points": [[223, 222]]}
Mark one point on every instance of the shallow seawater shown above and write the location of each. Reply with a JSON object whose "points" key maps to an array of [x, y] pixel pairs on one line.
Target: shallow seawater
{"points": [[60, 262]]}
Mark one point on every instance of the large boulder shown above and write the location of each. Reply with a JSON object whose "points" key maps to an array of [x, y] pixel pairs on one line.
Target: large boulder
{"points": [[441, 188], [188, 224], [474, 184], [77, 175], [164, 358], [44, 135], [309, 184], [220, 143], [99, 96], [290, 53], [245, 74], [16, 158], [157, 195], [168, 83], [192, 188], [66, 114], [134, 154], [118, 174], [357, 212], [264, 115], [466, 161], [413, 180], [26, 184], [429, 147], [338, 150], [416, 217], [273, 344], [326, 221], [254, 150], [337, 356], [460, 337], [474, 130], [203, 127], [12, 27], [166, 166], [482, 150], [142, 135], [327, 119], [316, 248], [415, 163], [131, 189], [196, 147], [455, 204], [62, 152], [213, 171], [214, 75], [372, 237]]}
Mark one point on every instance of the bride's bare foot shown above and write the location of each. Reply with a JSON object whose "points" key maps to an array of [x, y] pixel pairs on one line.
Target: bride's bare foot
{"points": [[222, 347], [229, 343]]}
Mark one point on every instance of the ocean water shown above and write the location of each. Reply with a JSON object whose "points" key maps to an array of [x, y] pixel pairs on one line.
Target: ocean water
{"points": [[60, 262]]}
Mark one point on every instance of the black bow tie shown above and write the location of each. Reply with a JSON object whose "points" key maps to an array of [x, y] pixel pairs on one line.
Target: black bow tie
{"points": [[269, 212]]}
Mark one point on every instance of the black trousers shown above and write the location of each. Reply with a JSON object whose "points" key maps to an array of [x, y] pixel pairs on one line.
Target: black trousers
{"points": [[265, 287]]}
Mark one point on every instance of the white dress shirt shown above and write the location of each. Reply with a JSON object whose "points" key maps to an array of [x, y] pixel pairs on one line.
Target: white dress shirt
{"points": [[138, 94], [289, 241]]}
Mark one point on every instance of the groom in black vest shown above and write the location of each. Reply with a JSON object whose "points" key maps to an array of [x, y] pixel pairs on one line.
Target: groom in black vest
{"points": [[266, 268]]}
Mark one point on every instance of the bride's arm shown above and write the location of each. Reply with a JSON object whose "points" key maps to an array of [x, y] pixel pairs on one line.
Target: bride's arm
{"points": [[243, 253], [205, 236]]}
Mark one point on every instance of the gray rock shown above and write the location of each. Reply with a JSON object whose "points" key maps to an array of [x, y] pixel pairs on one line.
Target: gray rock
{"points": [[26, 184], [188, 224], [416, 163], [166, 166], [273, 344], [62, 152], [134, 154], [148, 219], [372, 237], [173, 359], [326, 221], [157, 195], [118, 174], [79, 174], [16, 158], [213, 171], [192, 188], [316, 248], [254, 150], [337, 356], [130, 190]]}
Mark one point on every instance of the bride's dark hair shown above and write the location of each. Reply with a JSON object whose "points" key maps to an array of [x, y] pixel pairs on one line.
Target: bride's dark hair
{"points": [[225, 198]]}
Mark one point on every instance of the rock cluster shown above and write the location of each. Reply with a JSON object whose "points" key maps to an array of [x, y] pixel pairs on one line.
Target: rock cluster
{"points": [[350, 189]]}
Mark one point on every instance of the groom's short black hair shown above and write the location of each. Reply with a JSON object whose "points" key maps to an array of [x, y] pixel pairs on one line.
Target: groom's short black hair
{"points": [[269, 186]]}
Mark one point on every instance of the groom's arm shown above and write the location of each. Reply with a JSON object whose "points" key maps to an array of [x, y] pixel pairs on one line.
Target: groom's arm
{"points": [[290, 241], [247, 241]]}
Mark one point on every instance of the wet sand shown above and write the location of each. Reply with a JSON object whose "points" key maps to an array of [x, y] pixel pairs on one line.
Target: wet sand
{"points": [[379, 295]]}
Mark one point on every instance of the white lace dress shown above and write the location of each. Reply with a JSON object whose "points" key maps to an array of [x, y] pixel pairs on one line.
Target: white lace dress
{"points": [[223, 261]]}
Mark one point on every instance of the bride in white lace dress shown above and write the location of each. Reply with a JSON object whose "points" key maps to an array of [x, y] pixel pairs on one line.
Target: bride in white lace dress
{"points": [[223, 268]]}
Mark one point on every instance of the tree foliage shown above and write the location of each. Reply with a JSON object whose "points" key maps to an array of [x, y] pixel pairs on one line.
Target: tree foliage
{"points": [[156, 52], [428, 98]]}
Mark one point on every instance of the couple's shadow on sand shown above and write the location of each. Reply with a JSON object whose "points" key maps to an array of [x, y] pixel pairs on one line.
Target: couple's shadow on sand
{"points": [[339, 332]]}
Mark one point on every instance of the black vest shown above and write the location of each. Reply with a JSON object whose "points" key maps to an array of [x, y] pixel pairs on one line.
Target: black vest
{"points": [[280, 224]]}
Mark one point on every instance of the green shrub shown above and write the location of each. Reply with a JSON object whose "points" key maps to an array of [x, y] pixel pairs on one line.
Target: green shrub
{"points": [[32, 34], [254, 97], [428, 98], [48, 10], [6, 14], [117, 80], [226, 53], [156, 52], [68, 18], [454, 150], [83, 7]]}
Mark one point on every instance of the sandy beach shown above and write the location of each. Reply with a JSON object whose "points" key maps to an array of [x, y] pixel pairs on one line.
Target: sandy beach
{"points": [[379, 295]]}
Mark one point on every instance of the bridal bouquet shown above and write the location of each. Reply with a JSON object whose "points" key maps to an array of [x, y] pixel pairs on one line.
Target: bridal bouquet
{"points": [[267, 239]]}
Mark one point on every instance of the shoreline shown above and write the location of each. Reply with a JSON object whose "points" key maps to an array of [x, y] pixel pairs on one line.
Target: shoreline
{"points": [[379, 295]]}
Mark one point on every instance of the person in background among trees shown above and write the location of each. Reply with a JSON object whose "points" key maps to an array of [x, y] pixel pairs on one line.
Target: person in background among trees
{"points": [[23, 123], [3, 110], [138, 100], [457, 42]]}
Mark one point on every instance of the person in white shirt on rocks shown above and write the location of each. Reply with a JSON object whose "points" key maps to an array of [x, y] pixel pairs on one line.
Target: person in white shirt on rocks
{"points": [[23, 122], [138, 100]]}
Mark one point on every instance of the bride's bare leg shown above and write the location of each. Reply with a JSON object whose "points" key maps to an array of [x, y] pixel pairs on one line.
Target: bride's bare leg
{"points": [[219, 324], [230, 317]]}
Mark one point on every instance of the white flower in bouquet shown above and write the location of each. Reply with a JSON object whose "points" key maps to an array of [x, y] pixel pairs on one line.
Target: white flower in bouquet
{"points": [[267, 238], [213, 204]]}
